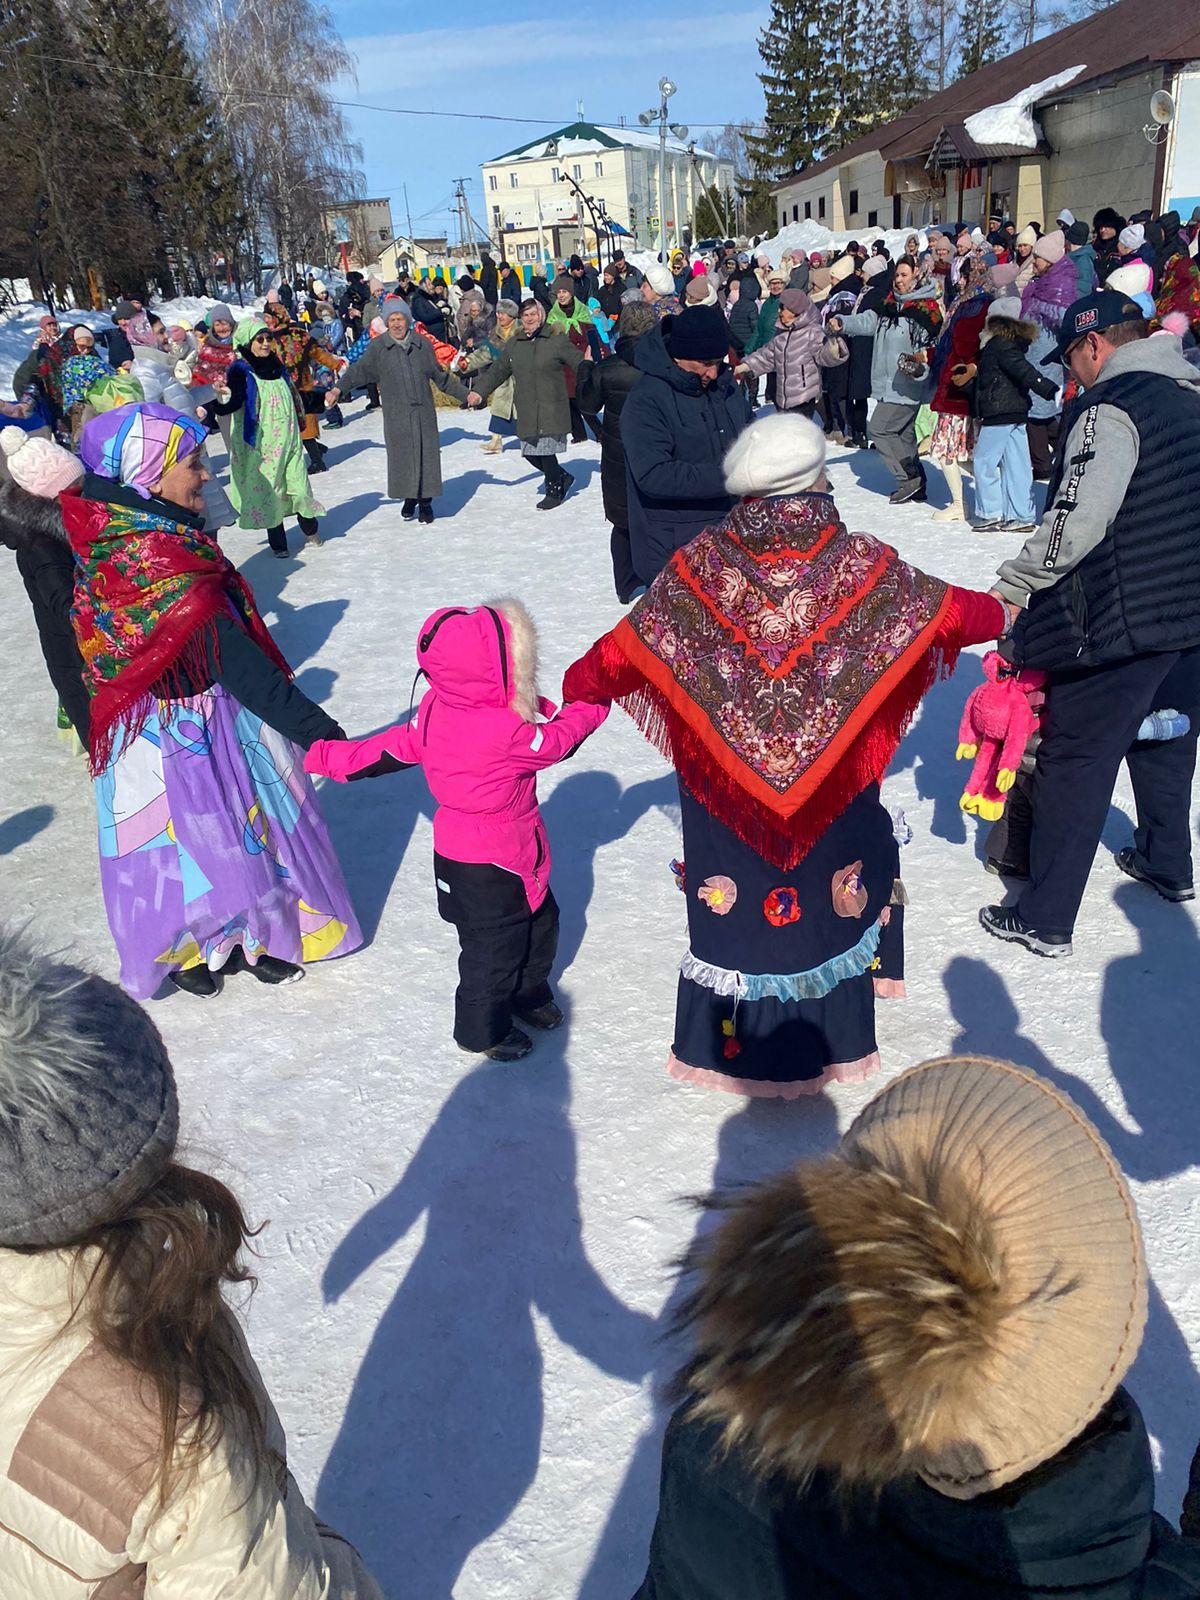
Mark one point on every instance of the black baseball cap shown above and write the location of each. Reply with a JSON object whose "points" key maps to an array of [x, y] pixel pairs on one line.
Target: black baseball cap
{"points": [[1104, 308]]}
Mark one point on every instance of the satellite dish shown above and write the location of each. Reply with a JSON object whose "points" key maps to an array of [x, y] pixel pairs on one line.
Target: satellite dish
{"points": [[1162, 113]]}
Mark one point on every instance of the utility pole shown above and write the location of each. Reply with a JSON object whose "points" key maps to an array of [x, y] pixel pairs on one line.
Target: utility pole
{"points": [[460, 195], [647, 119], [412, 243]]}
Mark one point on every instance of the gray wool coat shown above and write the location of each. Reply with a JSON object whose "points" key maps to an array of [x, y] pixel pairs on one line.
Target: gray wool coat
{"points": [[404, 369], [538, 367]]}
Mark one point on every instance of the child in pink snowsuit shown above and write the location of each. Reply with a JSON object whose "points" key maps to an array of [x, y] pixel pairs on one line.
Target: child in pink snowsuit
{"points": [[477, 735]]}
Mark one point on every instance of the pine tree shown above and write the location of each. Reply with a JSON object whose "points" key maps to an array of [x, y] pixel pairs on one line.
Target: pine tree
{"points": [[797, 119], [982, 34]]}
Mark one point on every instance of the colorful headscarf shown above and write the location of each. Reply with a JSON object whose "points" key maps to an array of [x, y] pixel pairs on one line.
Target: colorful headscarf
{"points": [[136, 444], [781, 660]]}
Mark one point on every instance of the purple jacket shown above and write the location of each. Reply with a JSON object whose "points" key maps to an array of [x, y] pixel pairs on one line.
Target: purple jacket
{"points": [[477, 736], [796, 355]]}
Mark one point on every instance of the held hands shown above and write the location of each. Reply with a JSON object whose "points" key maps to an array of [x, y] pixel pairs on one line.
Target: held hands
{"points": [[474, 399], [741, 372], [221, 391], [332, 396], [834, 325], [966, 752]]}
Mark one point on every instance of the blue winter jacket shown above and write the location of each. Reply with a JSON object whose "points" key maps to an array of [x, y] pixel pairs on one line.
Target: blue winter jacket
{"points": [[675, 432]]}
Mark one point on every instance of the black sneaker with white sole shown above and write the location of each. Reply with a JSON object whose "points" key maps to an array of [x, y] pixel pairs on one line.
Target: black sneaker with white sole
{"points": [[1176, 893], [512, 1047], [1006, 922]]}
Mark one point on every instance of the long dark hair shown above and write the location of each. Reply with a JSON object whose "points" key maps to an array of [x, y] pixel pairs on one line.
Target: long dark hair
{"points": [[153, 1297]]}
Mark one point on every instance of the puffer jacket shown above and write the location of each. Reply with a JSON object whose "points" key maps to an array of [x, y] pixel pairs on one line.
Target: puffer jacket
{"points": [[80, 1517], [796, 356], [900, 327], [478, 738], [604, 388], [1004, 376]]}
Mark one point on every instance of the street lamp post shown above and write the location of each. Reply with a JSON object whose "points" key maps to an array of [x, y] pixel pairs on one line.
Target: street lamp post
{"points": [[647, 119]]}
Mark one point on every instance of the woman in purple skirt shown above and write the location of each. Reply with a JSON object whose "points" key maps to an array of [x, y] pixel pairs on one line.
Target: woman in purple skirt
{"points": [[213, 854]]}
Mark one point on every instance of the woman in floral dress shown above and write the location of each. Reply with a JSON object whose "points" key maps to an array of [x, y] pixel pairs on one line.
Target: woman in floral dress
{"points": [[268, 473], [776, 662]]}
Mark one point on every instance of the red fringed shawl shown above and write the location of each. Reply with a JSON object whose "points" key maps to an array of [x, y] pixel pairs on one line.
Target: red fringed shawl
{"points": [[782, 660], [147, 597]]}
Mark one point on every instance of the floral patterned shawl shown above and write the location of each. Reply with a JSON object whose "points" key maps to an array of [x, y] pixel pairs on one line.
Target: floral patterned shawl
{"points": [[781, 660]]}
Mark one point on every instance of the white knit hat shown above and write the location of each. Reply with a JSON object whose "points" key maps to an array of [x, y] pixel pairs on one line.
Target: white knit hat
{"points": [[778, 455], [1005, 306], [1135, 278], [1133, 236], [659, 278], [1028, 235], [38, 465], [842, 268]]}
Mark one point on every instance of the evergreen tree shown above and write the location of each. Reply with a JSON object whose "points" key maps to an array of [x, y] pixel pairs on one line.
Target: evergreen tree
{"points": [[982, 35], [796, 121]]}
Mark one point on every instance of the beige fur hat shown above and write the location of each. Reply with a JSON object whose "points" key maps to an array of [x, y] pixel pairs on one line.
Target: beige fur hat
{"points": [[955, 1292]]}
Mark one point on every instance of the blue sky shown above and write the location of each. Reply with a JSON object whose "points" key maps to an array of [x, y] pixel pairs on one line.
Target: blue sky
{"points": [[535, 61]]}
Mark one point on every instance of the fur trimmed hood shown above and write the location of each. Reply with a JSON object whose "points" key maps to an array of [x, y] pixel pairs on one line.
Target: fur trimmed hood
{"points": [[483, 656], [27, 518], [1018, 329]]}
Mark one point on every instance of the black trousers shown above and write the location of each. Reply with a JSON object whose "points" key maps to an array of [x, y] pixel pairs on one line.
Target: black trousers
{"points": [[548, 466], [1042, 436], [807, 408], [277, 538], [625, 579], [1088, 729], [505, 950], [857, 412], [1008, 837]]}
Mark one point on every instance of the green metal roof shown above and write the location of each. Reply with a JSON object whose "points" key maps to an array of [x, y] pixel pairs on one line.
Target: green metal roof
{"points": [[584, 131]]}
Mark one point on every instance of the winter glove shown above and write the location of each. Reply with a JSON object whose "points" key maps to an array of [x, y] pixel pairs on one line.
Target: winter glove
{"points": [[966, 752], [1005, 780], [330, 758]]}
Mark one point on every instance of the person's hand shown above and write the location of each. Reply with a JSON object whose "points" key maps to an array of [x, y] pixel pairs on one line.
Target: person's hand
{"points": [[222, 393], [202, 413], [741, 372], [834, 324], [966, 752], [1013, 611], [332, 396], [474, 399]]}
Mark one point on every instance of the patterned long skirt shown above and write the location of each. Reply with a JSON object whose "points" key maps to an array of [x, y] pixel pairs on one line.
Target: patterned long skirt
{"points": [[210, 839]]}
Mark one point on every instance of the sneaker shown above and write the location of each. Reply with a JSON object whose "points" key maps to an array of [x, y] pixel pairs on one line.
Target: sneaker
{"points": [[280, 555], [195, 980], [1017, 527], [408, 510], [1176, 893], [1006, 922], [270, 969], [373, 405], [986, 524], [425, 512], [512, 1047], [860, 441], [1006, 869], [545, 1017], [910, 491]]}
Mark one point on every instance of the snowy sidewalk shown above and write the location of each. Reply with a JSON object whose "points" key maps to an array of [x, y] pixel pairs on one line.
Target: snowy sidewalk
{"points": [[464, 1272]]}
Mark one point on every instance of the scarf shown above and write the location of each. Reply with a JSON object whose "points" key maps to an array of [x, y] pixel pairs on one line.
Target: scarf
{"points": [[79, 373], [1180, 291], [972, 302], [924, 310], [148, 592], [781, 659], [252, 368], [577, 319]]}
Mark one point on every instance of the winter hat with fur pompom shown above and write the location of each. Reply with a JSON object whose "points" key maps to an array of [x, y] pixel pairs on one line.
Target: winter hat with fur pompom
{"points": [[38, 465], [783, 454], [955, 1292], [659, 278], [89, 1116]]}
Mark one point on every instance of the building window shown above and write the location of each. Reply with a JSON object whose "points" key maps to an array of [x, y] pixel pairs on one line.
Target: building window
{"points": [[512, 182], [821, 208], [795, 213], [872, 219], [554, 174], [783, 219], [599, 173], [493, 181], [577, 172], [496, 213], [807, 210], [854, 202]]}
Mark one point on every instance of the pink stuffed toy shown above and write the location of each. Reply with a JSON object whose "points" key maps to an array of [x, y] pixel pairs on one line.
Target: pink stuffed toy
{"points": [[997, 721]]}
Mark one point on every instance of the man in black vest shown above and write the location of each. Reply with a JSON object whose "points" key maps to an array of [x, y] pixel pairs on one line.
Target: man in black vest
{"points": [[1110, 582]]}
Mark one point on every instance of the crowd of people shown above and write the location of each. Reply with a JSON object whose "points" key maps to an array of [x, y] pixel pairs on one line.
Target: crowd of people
{"points": [[918, 1387]]}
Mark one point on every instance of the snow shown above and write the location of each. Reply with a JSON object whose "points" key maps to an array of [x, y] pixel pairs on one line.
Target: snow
{"points": [[464, 1275], [1011, 122]]}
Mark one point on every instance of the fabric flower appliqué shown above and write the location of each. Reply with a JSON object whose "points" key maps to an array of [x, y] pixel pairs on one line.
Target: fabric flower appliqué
{"points": [[781, 907], [719, 894], [849, 895]]}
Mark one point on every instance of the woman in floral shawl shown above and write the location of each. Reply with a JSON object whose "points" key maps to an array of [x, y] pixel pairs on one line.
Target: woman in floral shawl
{"points": [[776, 662], [213, 854]]}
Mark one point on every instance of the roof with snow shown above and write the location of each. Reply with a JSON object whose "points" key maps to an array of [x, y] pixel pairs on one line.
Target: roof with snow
{"points": [[1130, 36], [582, 138]]}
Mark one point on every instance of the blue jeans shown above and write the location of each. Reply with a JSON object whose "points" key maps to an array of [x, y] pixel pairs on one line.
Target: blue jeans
{"points": [[1003, 474]]}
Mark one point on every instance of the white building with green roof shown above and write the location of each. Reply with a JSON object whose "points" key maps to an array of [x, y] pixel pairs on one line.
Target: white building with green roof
{"points": [[533, 211]]}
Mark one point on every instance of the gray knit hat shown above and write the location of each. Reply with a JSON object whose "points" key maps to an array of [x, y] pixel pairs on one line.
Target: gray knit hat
{"points": [[510, 308], [89, 1116]]}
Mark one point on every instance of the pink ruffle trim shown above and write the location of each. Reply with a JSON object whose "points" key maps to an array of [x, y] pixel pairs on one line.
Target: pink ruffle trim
{"points": [[890, 989], [758, 1089]]}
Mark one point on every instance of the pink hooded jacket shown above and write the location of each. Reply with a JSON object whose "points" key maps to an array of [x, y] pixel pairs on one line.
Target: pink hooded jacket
{"points": [[477, 736]]}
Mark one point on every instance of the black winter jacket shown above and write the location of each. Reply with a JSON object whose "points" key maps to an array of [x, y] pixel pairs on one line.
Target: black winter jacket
{"points": [[511, 287], [676, 432], [33, 527], [743, 315], [1004, 378], [489, 279], [604, 387], [1081, 1527]]}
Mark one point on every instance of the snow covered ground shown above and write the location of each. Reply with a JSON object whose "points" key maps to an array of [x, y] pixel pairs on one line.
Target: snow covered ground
{"points": [[463, 1279]]}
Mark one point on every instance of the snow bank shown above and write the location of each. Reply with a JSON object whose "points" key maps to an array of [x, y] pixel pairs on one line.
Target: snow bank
{"points": [[1011, 122], [803, 238]]}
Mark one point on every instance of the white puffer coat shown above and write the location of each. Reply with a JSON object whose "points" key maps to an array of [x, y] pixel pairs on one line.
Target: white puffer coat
{"points": [[79, 1511]]}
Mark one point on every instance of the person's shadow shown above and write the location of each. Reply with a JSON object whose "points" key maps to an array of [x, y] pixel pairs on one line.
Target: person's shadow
{"points": [[928, 748], [442, 1434], [22, 826], [1151, 1047], [760, 1139]]}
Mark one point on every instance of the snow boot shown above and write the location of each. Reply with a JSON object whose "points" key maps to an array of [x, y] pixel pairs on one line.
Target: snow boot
{"points": [[424, 511], [408, 510], [512, 1047], [1006, 922], [1176, 893], [270, 969], [197, 981], [557, 492], [954, 512], [493, 446], [545, 1017], [316, 459]]}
